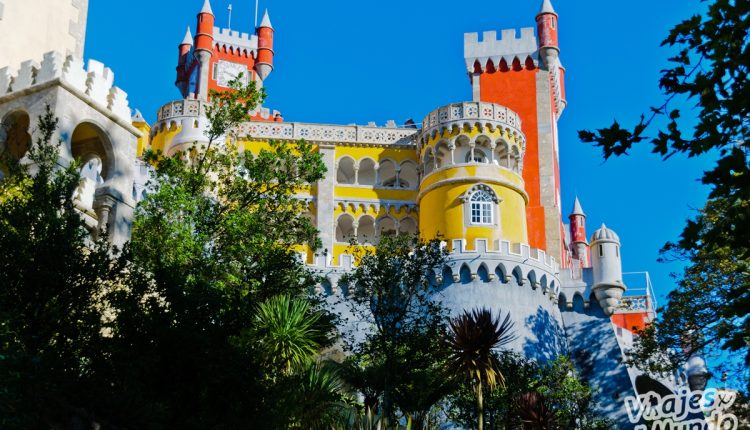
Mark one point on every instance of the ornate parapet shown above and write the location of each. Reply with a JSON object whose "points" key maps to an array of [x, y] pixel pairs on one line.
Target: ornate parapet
{"points": [[173, 114], [94, 81], [489, 115]]}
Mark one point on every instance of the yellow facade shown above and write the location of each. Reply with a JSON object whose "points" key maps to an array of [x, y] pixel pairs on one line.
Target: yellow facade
{"points": [[388, 181]]}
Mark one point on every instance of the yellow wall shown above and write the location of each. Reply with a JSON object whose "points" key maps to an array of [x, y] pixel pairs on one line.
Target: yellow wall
{"points": [[443, 213]]}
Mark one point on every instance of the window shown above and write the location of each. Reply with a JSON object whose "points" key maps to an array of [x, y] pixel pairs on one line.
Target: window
{"points": [[481, 208], [479, 157], [601, 250]]}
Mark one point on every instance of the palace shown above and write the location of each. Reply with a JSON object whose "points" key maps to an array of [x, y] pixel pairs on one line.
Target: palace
{"points": [[483, 174]]}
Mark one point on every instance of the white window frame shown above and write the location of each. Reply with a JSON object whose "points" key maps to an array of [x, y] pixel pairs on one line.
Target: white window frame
{"points": [[481, 206]]}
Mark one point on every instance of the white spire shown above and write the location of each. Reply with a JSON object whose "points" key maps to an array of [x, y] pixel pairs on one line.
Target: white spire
{"points": [[266, 21], [188, 40], [207, 7], [547, 7], [577, 210]]}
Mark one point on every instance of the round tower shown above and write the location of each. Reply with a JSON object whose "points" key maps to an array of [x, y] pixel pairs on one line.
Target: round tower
{"points": [[204, 42], [471, 189], [182, 61], [546, 23], [579, 242], [607, 267], [265, 31]]}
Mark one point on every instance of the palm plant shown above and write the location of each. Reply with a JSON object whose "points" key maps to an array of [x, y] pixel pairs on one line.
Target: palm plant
{"points": [[472, 338], [287, 332]]}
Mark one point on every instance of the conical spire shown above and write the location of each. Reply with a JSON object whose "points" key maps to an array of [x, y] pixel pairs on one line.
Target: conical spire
{"points": [[188, 40], [547, 7], [207, 7], [266, 21], [577, 210]]}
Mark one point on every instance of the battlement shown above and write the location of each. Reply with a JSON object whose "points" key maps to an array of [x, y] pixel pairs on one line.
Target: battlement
{"points": [[517, 263], [95, 81], [491, 50], [230, 38]]}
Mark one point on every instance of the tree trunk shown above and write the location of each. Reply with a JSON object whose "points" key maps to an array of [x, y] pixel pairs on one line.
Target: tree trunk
{"points": [[480, 406]]}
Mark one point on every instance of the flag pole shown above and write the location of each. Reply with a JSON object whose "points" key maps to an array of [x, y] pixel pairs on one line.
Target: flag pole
{"points": [[256, 13]]}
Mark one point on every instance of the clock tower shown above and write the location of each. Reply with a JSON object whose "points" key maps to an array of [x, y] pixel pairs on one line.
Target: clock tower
{"points": [[216, 56]]}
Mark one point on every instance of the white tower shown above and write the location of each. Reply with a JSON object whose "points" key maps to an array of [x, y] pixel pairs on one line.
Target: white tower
{"points": [[607, 266]]}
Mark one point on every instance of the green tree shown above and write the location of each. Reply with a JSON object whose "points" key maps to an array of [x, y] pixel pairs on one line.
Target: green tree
{"points": [[399, 366], [551, 394], [709, 309], [215, 321], [52, 280], [473, 337]]}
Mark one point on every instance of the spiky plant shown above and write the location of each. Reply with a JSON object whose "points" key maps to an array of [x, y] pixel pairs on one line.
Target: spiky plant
{"points": [[534, 412], [472, 338], [287, 332]]}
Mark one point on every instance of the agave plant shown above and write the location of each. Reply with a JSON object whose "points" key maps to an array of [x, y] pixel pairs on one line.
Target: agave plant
{"points": [[472, 338]]}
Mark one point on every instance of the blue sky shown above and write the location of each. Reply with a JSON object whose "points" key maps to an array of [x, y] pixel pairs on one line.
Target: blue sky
{"points": [[347, 62]]}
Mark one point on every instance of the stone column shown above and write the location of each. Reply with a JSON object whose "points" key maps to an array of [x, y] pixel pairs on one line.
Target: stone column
{"points": [[325, 201]]}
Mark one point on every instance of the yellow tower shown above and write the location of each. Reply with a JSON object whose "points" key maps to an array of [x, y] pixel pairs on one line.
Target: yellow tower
{"points": [[472, 190]]}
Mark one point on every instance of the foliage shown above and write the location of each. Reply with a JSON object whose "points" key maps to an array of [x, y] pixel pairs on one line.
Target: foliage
{"points": [[287, 334], [400, 365], [473, 337], [558, 395], [215, 323], [53, 277], [709, 309]]}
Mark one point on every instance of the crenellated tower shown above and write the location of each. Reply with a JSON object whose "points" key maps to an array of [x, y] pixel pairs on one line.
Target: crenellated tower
{"points": [[216, 56], [523, 72]]}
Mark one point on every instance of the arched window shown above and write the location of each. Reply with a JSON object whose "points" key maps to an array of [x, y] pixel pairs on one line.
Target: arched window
{"points": [[482, 208], [480, 205]]}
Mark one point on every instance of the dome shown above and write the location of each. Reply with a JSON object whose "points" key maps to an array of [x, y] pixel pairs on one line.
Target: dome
{"points": [[605, 234]]}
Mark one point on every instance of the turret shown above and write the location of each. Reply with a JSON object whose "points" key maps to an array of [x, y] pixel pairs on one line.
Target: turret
{"points": [[546, 23], [204, 41], [607, 267], [265, 31], [182, 61], [579, 243]]}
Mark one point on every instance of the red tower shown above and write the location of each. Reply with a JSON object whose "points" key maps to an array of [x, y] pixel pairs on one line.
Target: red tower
{"points": [[524, 74], [579, 242], [265, 47], [220, 55]]}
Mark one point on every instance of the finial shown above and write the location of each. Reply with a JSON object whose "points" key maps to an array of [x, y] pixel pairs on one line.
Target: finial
{"points": [[266, 21], [207, 7], [577, 209], [547, 7], [188, 40]]}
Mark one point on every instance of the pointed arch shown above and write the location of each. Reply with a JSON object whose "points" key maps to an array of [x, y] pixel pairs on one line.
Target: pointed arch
{"points": [[15, 139], [366, 174], [366, 230], [408, 177], [407, 225], [344, 228], [501, 273], [518, 275], [345, 170], [465, 274], [387, 173], [482, 273]]}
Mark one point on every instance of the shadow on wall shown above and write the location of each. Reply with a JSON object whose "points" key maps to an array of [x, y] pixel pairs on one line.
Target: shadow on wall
{"points": [[548, 341], [598, 358]]}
